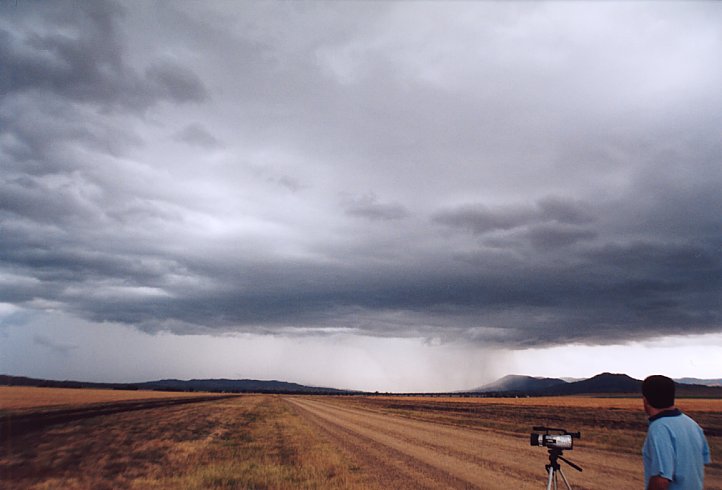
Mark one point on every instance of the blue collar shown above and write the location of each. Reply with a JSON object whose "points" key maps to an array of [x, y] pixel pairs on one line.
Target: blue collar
{"points": [[675, 412]]}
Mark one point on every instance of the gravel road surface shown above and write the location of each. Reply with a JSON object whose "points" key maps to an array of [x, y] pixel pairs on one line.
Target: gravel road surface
{"points": [[398, 452]]}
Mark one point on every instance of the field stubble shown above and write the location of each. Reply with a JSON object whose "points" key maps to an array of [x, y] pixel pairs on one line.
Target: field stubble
{"points": [[609, 426], [273, 442], [245, 441], [30, 397], [617, 424]]}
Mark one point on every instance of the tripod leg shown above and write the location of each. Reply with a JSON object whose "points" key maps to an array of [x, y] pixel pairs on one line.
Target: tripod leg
{"points": [[569, 487], [551, 478]]}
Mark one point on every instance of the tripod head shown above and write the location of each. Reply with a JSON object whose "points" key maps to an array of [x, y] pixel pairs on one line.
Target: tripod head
{"points": [[555, 455]]}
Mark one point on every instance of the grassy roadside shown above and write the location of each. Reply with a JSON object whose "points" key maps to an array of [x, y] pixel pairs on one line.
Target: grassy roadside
{"points": [[261, 444], [244, 442]]}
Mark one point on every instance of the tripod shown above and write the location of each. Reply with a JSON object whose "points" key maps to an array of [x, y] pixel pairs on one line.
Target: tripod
{"points": [[554, 469]]}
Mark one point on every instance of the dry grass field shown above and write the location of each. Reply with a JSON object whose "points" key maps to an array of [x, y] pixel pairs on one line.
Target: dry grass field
{"points": [[243, 441], [605, 402], [279, 442], [21, 397]]}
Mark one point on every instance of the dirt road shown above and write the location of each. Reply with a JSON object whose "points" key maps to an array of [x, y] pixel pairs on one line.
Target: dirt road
{"points": [[397, 452]]}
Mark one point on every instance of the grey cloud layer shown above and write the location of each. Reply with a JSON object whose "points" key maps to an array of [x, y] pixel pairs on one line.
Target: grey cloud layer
{"points": [[262, 167], [368, 206], [480, 219], [80, 57]]}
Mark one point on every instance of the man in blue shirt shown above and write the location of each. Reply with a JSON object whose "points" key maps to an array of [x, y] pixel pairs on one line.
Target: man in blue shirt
{"points": [[675, 450]]}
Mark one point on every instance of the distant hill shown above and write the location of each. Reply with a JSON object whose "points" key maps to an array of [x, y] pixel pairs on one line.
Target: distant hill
{"points": [[601, 383], [605, 383], [621, 383], [212, 385], [515, 382], [233, 385], [6, 380], [528, 385]]}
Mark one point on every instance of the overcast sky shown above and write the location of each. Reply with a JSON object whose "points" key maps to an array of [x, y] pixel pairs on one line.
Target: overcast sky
{"points": [[376, 195]]}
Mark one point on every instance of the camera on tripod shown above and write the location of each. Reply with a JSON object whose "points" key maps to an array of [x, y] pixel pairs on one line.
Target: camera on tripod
{"points": [[557, 443], [562, 440]]}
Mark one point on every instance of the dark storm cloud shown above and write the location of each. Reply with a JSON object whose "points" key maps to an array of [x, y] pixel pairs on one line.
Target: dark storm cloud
{"points": [[481, 220], [28, 197], [519, 197], [80, 57], [550, 236], [552, 221]]}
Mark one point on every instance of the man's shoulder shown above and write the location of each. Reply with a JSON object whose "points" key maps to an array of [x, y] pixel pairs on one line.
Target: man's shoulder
{"points": [[673, 424], [685, 420]]}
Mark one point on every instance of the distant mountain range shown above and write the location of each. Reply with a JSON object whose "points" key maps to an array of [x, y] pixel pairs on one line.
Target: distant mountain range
{"points": [[601, 383], [513, 385], [235, 385], [212, 385]]}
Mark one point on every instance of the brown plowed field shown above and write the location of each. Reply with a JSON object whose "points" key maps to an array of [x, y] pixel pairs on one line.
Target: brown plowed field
{"points": [[407, 453], [285, 442]]}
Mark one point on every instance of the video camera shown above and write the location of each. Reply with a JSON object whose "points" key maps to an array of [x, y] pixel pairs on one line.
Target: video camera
{"points": [[562, 440]]}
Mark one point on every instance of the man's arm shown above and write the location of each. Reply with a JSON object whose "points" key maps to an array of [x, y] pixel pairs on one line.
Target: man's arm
{"points": [[658, 483]]}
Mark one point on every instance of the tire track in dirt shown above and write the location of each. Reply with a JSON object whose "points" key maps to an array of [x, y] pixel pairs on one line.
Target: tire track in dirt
{"points": [[455, 457], [487, 448], [423, 460], [461, 445], [383, 466]]}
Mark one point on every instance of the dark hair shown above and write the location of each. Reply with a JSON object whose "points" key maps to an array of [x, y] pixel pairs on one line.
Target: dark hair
{"points": [[659, 391]]}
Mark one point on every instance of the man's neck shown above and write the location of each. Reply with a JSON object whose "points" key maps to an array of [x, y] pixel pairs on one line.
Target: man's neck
{"points": [[656, 413]]}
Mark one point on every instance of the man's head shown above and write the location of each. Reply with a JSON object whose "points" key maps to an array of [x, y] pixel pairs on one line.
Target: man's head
{"points": [[658, 392]]}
